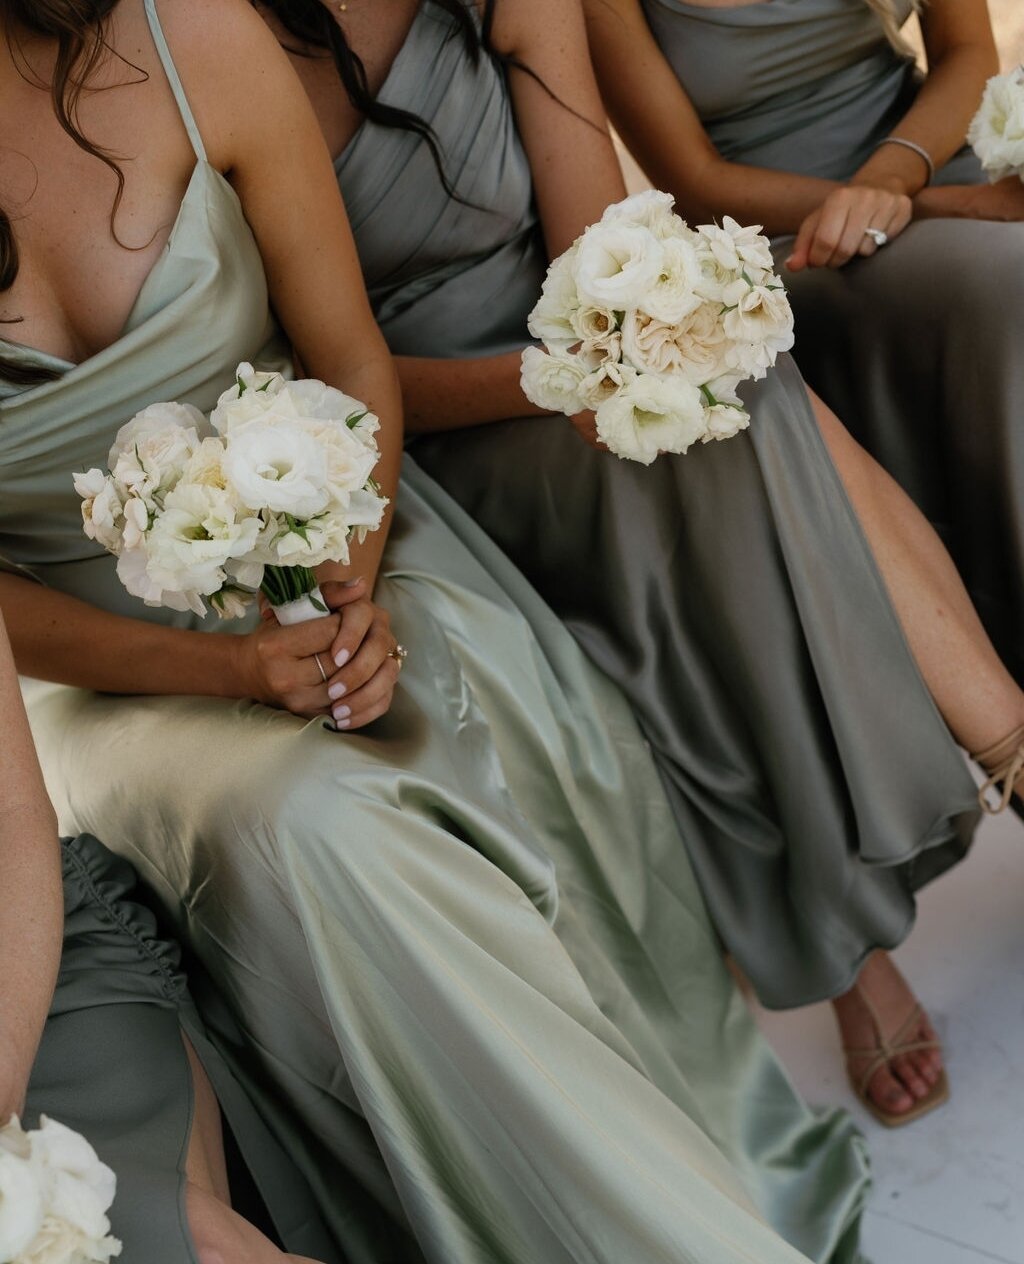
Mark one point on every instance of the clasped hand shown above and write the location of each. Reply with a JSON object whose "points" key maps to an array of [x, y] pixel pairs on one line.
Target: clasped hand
{"points": [[353, 645], [836, 231]]}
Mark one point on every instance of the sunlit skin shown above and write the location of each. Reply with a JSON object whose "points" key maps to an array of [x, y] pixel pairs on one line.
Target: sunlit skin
{"points": [[576, 175]]}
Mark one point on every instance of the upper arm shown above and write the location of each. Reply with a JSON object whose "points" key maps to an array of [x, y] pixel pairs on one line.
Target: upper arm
{"points": [[21, 782], [950, 24], [647, 103], [261, 132], [561, 120]]}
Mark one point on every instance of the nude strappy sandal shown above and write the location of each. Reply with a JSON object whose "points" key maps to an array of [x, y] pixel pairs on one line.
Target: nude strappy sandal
{"points": [[881, 1055], [1004, 763]]}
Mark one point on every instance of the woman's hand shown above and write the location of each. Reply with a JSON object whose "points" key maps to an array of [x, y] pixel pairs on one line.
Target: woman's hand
{"points": [[836, 232], [1002, 201], [585, 425], [355, 650]]}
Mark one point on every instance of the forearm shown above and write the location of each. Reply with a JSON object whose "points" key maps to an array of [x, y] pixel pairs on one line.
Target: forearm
{"points": [[777, 200], [59, 638], [453, 394]]}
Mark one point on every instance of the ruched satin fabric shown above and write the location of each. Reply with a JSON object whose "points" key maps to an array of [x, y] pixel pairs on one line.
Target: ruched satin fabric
{"points": [[729, 592], [112, 1065], [459, 959], [918, 349]]}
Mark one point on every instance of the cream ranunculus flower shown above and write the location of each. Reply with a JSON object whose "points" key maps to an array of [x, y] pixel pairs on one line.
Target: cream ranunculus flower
{"points": [[650, 208], [102, 509], [277, 465], [696, 347], [21, 1194], [151, 450], [552, 318], [651, 415], [618, 264], [552, 382], [997, 130]]}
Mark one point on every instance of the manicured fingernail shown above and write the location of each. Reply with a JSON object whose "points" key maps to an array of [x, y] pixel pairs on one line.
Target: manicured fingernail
{"points": [[351, 583], [789, 261], [340, 713], [336, 691], [342, 657], [343, 724]]}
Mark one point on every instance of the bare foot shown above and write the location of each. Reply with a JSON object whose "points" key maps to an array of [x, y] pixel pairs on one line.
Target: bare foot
{"points": [[901, 1083]]}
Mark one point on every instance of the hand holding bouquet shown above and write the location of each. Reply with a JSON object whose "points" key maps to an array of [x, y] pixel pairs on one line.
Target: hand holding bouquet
{"points": [[997, 130], [653, 325], [281, 485], [54, 1197]]}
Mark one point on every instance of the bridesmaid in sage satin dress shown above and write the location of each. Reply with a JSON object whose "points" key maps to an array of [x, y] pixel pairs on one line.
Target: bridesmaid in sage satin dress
{"points": [[468, 979], [730, 592], [782, 112], [94, 1015]]}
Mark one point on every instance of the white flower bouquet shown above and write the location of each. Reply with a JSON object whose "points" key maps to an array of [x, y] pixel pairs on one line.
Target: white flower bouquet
{"points": [[281, 485], [997, 130], [653, 325], [54, 1197]]}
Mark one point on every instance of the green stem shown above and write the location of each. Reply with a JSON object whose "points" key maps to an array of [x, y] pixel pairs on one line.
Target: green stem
{"points": [[282, 584]]}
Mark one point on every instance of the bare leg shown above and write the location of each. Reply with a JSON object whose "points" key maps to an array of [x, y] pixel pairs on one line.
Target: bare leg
{"points": [[221, 1236], [977, 697]]}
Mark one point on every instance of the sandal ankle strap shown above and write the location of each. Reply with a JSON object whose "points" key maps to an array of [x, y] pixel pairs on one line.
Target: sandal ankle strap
{"points": [[1004, 763]]}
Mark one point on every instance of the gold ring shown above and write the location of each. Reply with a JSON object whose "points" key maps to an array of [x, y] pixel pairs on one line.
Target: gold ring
{"points": [[399, 654], [320, 666]]}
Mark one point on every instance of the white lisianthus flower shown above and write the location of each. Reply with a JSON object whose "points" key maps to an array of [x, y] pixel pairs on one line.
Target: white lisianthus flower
{"points": [[137, 520], [552, 382], [736, 247], [651, 415], [651, 209], [133, 572], [725, 414], [604, 382], [618, 265], [151, 450], [349, 456], [247, 399], [759, 315], [552, 319], [675, 293], [81, 1188], [190, 543], [232, 604], [21, 1196], [997, 130], [102, 509], [277, 465]]}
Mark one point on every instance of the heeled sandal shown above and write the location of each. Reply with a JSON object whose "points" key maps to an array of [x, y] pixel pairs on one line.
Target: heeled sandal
{"points": [[1004, 763], [881, 1055]]}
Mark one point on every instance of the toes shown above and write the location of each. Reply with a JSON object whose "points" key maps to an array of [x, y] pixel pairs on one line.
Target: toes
{"points": [[887, 1092], [927, 1067], [906, 1073]]}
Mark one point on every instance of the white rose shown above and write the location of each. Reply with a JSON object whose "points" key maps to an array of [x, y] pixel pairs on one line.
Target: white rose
{"points": [[651, 415], [200, 529], [595, 326], [350, 456], [551, 319], [206, 465], [277, 466], [21, 1198], [695, 348], [604, 382], [650, 209], [997, 130], [102, 508], [725, 415], [150, 452], [618, 265], [675, 293], [552, 382]]}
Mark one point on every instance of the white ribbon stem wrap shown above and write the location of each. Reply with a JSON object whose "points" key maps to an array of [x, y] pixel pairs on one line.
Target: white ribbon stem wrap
{"points": [[302, 610]]}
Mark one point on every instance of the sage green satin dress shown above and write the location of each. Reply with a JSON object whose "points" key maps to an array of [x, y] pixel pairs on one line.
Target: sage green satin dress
{"points": [[918, 348], [730, 592], [112, 1065], [470, 980]]}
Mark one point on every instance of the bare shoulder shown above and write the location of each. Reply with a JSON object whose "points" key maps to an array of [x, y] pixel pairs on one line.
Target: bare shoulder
{"points": [[524, 26]]}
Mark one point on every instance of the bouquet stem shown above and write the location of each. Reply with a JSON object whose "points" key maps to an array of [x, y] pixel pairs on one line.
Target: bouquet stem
{"points": [[294, 594]]}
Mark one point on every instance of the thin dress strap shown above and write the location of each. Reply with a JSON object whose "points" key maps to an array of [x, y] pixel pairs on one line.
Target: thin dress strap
{"points": [[174, 79]]}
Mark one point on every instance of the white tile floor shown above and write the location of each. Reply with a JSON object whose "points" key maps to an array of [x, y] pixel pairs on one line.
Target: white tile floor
{"points": [[949, 1189]]}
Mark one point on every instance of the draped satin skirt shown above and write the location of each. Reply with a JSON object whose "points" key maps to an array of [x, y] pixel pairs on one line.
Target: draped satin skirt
{"points": [[480, 1001], [731, 594]]}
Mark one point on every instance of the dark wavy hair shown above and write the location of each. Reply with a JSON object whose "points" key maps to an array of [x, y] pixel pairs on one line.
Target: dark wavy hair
{"points": [[78, 28]]}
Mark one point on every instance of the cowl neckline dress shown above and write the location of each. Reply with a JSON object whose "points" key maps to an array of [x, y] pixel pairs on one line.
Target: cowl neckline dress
{"points": [[459, 960], [729, 592], [917, 348]]}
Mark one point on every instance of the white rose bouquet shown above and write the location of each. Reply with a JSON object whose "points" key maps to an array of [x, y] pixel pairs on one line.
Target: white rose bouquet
{"points": [[54, 1197], [997, 130], [279, 482], [654, 325]]}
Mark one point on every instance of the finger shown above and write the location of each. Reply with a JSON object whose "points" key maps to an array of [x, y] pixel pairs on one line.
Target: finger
{"points": [[855, 239], [338, 593], [364, 663], [302, 640], [356, 621], [829, 234], [369, 702], [267, 614], [585, 425], [798, 257]]}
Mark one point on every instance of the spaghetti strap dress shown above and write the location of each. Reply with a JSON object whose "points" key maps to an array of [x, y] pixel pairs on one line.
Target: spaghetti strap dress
{"points": [[917, 348], [729, 592], [464, 969]]}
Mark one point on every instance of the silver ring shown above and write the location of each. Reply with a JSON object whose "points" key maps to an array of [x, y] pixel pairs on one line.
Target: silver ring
{"points": [[399, 654], [879, 237], [320, 666]]}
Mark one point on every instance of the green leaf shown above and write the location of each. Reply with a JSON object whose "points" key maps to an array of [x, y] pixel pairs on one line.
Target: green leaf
{"points": [[353, 419], [317, 604], [265, 386], [240, 384]]}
